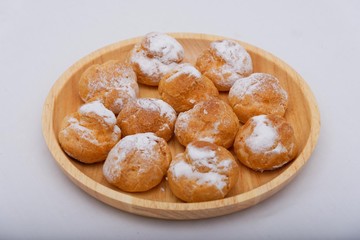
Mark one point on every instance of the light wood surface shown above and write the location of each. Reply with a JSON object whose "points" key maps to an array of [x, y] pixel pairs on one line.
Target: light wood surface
{"points": [[252, 187]]}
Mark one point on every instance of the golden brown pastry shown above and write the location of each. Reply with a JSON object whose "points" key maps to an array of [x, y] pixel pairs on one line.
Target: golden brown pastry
{"points": [[147, 115], [184, 86], [203, 172], [211, 121], [225, 62], [138, 162], [113, 83], [265, 142], [154, 56], [89, 134], [260, 93]]}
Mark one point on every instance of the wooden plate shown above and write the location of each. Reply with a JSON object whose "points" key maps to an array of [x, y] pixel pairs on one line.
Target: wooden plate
{"points": [[252, 187]]}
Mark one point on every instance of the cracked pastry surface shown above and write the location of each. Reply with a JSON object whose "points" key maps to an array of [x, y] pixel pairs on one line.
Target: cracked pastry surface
{"points": [[154, 56], [89, 134], [203, 172], [265, 142], [137, 162], [147, 115], [212, 121], [184, 86], [113, 83], [225, 62], [258, 94]]}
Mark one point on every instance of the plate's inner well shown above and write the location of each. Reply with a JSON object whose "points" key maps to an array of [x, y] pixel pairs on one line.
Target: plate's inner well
{"points": [[68, 101]]}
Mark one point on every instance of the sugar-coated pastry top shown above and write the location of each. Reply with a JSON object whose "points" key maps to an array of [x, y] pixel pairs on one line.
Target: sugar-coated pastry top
{"points": [[184, 86], [203, 172], [265, 142], [143, 144], [88, 134], [260, 93], [147, 115], [137, 162], [183, 69], [112, 82], [98, 111], [225, 62], [155, 56], [212, 121]]}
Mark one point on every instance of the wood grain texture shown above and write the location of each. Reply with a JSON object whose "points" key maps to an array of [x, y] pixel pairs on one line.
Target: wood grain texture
{"points": [[252, 187]]}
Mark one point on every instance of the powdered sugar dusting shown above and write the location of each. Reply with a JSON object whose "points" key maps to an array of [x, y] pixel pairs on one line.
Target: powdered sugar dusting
{"points": [[166, 110], [184, 69], [122, 78], [244, 86], [119, 103], [184, 118], [263, 136], [279, 149], [216, 127], [256, 82], [225, 164], [85, 133], [158, 105], [200, 154], [206, 139], [183, 169], [164, 127], [202, 157], [235, 56], [237, 61], [143, 143], [116, 133], [152, 67], [164, 50], [96, 107], [213, 178], [182, 122]]}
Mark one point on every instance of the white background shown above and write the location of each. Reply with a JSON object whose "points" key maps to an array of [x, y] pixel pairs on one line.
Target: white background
{"points": [[40, 39]]}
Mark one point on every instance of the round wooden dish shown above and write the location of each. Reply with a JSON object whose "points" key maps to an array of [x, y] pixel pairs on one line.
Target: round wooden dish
{"points": [[252, 187]]}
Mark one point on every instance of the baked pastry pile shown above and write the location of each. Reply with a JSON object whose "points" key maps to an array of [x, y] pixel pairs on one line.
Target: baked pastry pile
{"points": [[190, 109]]}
